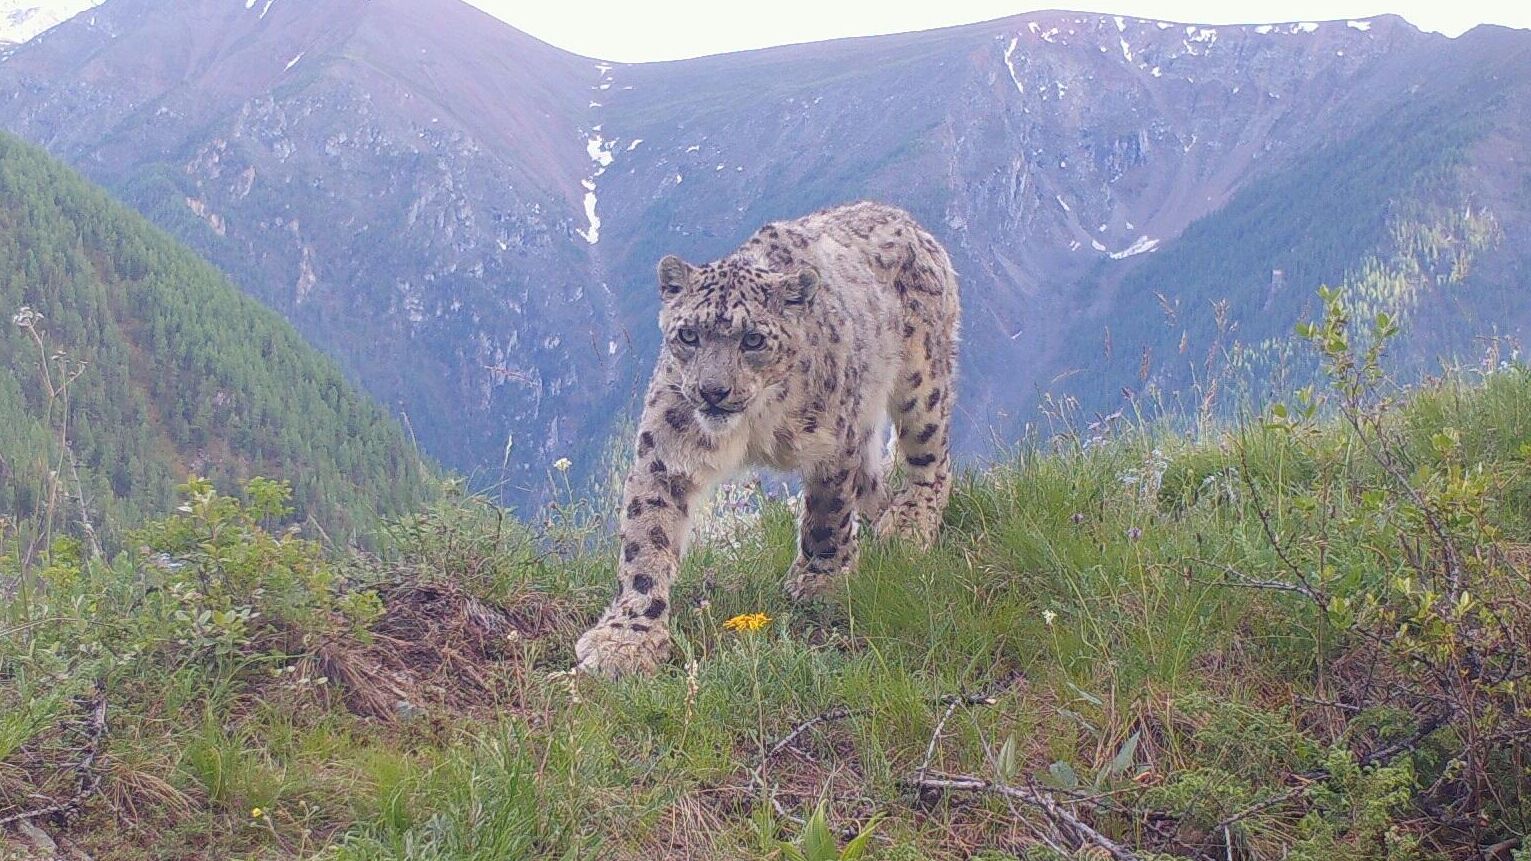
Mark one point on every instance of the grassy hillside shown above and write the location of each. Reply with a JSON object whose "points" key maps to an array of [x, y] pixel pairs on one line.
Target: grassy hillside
{"points": [[132, 363], [1302, 638]]}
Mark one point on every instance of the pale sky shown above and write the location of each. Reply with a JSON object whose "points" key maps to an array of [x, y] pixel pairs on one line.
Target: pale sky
{"points": [[639, 30]]}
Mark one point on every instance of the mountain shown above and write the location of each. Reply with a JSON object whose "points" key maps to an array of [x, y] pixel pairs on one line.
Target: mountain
{"points": [[21, 20], [388, 175], [466, 219], [158, 367]]}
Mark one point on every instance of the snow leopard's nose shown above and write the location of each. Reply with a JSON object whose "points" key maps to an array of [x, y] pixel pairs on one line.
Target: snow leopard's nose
{"points": [[713, 393]]}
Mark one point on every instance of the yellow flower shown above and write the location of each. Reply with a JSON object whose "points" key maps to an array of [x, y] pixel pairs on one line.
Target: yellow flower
{"points": [[562, 464], [256, 813], [747, 622]]}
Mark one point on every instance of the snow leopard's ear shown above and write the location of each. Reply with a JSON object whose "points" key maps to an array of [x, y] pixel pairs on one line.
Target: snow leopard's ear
{"points": [[674, 277], [799, 286]]}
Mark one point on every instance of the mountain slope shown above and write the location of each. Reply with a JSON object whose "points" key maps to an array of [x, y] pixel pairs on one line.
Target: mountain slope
{"points": [[177, 371], [1421, 213], [21, 20], [467, 219], [382, 173]]}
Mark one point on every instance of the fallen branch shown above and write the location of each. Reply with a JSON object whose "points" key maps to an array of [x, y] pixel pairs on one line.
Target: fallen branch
{"points": [[1055, 812], [87, 778], [834, 714], [842, 712], [839, 713], [935, 738]]}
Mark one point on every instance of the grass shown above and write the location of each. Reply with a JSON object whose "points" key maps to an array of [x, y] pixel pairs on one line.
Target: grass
{"points": [[1104, 593]]}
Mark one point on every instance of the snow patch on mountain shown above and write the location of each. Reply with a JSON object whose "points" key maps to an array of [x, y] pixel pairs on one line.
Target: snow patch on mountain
{"points": [[592, 235], [1010, 64], [22, 20], [1049, 35], [1142, 245], [1201, 34], [600, 151]]}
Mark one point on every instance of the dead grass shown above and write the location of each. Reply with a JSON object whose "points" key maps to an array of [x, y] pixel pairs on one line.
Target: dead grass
{"points": [[439, 650]]}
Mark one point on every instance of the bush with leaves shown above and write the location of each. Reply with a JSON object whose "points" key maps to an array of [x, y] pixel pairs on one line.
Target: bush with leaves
{"points": [[1413, 578], [226, 583]]}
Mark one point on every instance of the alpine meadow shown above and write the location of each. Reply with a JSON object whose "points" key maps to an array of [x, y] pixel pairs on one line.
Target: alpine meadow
{"points": [[354, 357]]}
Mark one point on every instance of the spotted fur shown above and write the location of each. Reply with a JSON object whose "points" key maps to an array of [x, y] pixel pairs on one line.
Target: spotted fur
{"points": [[793, 352]]}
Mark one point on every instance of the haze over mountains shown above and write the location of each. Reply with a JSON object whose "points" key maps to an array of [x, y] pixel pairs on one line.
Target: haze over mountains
{"points": [[467, 218]]}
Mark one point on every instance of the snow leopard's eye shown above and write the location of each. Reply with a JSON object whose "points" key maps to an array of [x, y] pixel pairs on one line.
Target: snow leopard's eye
{"points": [[687, 336], [753, 341]]}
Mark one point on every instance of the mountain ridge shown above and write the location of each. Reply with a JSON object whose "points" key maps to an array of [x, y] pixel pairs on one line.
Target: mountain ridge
{"points": [[472, 235]]}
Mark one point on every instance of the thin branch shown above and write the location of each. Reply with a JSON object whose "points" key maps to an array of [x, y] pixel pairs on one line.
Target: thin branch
{"points": [[1270, 531], [834, 714], [839, 713], [935, 737], [974, 699], [1258, 807], [842, 712], [952, 702], [1055, 812], [1245, 581], [1384, 459], [1331, 704], [1430, 725]]}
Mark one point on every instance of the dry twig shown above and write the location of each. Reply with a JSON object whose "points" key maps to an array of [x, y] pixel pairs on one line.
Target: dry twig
{"points": [[1055, 812], [839, 713]]}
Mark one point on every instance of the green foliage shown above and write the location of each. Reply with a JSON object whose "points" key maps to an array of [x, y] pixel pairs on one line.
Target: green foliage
{"points": [[210, 596], [227, 584], [170, 369], [1298, 638], [1359, 806], [817, 843], [482, 804]]}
